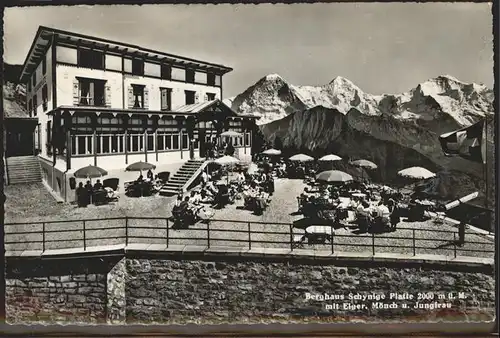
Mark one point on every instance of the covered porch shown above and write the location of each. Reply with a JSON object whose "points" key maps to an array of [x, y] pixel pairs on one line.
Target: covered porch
{"points": [[114, 138]]}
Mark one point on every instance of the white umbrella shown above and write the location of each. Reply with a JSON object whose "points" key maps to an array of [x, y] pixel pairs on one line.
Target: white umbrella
{"points": [[227, 160], [301, 158], [330, 158], [418, 173], [272, 152], [230, 133], [334, 176]]}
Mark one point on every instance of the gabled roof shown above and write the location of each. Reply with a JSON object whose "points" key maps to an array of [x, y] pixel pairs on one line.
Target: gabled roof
{"points": [[202, 106], [195, 107], [45, 34]]}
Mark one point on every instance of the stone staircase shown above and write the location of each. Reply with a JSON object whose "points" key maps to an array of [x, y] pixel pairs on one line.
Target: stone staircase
{"points": [[184, 177], [23, 169]]}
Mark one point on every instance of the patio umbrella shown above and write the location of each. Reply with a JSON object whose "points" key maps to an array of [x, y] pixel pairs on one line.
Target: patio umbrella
{"points": [[416, 173], [252, 168], [301, 158], [140, 166], [230, 133], [89, 172], [364, 164], [330, 158], [271, 151], [331, 176], [227, 160]]}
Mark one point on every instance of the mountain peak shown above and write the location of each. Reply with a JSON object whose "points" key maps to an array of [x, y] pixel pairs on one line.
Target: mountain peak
{"points": [[273, 77]]}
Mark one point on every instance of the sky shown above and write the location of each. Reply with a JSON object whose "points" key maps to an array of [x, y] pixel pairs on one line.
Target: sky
{"points": [[382, 48]]}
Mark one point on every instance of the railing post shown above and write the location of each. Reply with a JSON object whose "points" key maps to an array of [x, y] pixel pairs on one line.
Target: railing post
{"points": [[331, 239], [291, 237], [168, 230], [126, 230], [373, 243], [84, 237], [454, 245], [414, 249], [208, 235], [249, 237], [43, 237]]}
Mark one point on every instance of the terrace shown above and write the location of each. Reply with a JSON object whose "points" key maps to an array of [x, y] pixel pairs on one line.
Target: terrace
{"points": [[44, 225]]}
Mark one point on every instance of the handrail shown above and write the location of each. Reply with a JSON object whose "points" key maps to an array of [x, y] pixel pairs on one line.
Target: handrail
{"points": [[194, 176], [211, 234]]}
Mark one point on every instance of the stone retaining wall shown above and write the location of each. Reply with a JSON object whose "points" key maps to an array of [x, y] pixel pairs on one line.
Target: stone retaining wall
{"points": [[254, 292], [148, 290]]}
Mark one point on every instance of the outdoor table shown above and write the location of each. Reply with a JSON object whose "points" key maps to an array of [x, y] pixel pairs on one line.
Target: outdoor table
{"points": [[319, 230], [318, 233]]}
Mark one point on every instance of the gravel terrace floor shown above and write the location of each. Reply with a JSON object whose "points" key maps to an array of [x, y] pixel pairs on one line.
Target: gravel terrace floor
{"points": [[32, 203]]}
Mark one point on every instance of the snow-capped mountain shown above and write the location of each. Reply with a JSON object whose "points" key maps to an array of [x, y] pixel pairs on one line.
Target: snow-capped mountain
{"points": [[395, 131], [444, 99]]}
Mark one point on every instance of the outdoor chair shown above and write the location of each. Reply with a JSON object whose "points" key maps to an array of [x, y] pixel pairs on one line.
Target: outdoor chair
{"points": [[298, 240], [164, 176], [111, 183], [100, 197]]}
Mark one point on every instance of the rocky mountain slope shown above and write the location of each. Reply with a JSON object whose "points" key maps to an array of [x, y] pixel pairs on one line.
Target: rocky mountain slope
{"points": [[395, 131]]}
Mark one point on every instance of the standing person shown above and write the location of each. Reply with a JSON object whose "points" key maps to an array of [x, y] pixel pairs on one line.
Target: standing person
{"points": [[394, 216], [88, 193], [80, 200]]}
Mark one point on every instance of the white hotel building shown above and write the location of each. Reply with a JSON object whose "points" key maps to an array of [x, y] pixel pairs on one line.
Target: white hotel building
{"points": [[111, 104]]}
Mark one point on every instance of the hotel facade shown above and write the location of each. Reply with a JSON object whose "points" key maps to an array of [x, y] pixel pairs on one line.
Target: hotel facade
{"points": [[111, 104]]}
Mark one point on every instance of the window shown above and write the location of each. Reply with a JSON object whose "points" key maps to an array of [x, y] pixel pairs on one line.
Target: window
{"points": [[166, 98], [30, 107], [185, 141], [34, 79], [166, 72], [89, 58], [135, 143], [210, 96], [138, 95], [211, 79], [137, 67], [29, 86], [189, 75], [151, 142], [91, 92], [44, 97], [189, 96], [35, 105], [83, 145], [44, 65], [247, 139]]}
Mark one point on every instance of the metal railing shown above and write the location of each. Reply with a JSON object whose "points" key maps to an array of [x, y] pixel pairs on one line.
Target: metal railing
{"points": [[84, 233]]}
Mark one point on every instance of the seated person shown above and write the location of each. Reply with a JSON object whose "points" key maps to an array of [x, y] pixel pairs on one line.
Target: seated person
{"points": [[205, 197], [211, 187], [140, 178], [194, 198], [98, 185], [150, 175]]}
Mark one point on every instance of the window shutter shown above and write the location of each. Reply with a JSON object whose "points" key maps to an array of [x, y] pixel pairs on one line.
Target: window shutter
{"points": [[130, 97], [196, 97], [108, 96], [76, 90], [146, 98]]}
